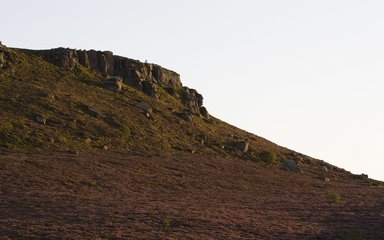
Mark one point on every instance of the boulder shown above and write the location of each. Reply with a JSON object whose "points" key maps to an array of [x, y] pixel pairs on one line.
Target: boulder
{"points": [[192, 99], [185, 116], [145, 107], [242, 146], [41, 119], [88, 141], [114, 83], [291, 165], [95, 113], [150, 89], [164, 76]]}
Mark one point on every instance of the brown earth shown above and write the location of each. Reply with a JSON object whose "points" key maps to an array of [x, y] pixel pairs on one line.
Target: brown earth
{"points": [[105, 195]]}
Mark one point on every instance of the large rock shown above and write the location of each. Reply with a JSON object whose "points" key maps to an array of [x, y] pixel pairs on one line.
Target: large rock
{"points": [[242, 146], [114, 83], [41, 119], [291, 165], [145, 107], [94, 113], [150, 89], [62, 57], [192, 99]]}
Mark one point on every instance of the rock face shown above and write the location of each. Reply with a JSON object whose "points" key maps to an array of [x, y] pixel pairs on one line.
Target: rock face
{"points": [[145, 77], [192, 99]]}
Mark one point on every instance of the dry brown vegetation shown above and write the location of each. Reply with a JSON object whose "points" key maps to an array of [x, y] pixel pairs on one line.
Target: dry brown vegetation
{"points": [[99, 195], [129, 176]]}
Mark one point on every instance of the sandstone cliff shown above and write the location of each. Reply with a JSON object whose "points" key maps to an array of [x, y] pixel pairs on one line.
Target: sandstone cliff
{"points": [[146, 77]]}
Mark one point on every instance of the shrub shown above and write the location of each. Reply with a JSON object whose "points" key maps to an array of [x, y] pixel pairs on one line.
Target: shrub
{"points": [[268, 157], [334, 197], [126, 133]]}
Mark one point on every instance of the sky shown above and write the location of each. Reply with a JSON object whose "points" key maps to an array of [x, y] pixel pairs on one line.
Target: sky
{"points": [[305, 74]]}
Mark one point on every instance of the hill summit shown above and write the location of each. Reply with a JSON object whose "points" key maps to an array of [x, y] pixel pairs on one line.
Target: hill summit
{"points": [[99, 146]]}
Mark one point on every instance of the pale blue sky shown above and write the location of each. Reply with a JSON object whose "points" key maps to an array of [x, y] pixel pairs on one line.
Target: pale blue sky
{"points": [[306, 74]]}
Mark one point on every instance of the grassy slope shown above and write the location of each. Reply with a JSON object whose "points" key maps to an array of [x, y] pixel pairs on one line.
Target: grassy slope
{"points": [[28, 91]]}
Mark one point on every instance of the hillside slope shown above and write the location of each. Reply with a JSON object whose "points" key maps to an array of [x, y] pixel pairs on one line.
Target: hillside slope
{"points": [[81, 112], [98, 146]]}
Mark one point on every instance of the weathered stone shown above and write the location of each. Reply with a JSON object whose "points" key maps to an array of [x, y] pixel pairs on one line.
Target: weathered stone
{"points": [[83, 58], [6, 58], [41, 119], [192, 99], [204, 112], [3, 61], [150, 89], [171, 91], [109, 60], [185, 116], [95, 113], [62, 57], [145, 107], [114, 83], [102, 62], [291, 165], [242, 146], [92, 60], [144, 77]]}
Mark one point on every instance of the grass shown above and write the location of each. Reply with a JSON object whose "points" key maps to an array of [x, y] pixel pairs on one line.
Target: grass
{"points": [[29, 89], [269, 157], [334, 197]]}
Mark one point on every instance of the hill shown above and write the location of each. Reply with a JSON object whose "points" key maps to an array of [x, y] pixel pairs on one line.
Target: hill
{"points": [[95, 145]]}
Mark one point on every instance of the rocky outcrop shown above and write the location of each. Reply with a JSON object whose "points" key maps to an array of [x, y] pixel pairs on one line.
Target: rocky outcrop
{"points": [[145, 77], [5, 56], [192, 99]]}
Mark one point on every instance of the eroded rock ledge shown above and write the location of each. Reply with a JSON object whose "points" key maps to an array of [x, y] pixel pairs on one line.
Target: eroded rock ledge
{"points": [[146, 77]]}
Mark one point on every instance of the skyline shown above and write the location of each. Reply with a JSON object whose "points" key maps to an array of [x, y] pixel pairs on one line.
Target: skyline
{"points": [[307, 76]]}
